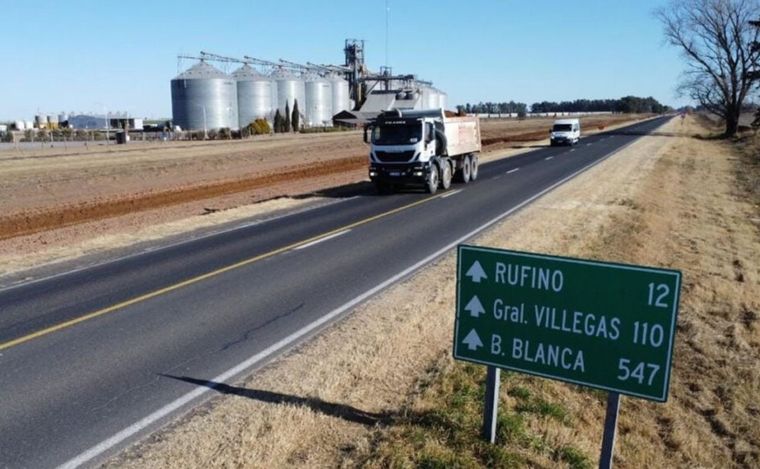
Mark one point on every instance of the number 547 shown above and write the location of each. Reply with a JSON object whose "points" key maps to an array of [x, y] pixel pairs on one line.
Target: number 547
{"points": [[637, 372]]}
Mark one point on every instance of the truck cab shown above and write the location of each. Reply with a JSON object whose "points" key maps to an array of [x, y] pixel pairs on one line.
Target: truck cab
{"points": [[565, 132]]}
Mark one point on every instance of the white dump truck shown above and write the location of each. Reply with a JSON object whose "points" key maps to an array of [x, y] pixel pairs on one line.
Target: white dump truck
{"points": [[422, 147]]}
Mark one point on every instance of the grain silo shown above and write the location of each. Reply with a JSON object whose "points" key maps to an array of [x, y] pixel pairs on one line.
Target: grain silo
{"points": [[256, 94], [429, 97], [442, 99], [318, 111], [340, 94], [204, 98], [290, 88]]}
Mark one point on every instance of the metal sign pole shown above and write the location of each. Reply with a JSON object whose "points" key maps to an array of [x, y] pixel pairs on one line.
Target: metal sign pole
{"points": [[492, 404], [610, 430]]}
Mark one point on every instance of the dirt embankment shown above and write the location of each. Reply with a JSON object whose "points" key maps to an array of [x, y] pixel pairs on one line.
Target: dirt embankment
{"points": [[45, 189], [380, 389]]}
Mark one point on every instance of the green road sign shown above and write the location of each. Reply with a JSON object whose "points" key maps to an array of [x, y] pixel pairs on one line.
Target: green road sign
{"points": [[605, 325]]}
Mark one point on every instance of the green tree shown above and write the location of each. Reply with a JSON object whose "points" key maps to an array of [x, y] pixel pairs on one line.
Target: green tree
{"points": [[277, 121], [287, 117], [296, 119]]}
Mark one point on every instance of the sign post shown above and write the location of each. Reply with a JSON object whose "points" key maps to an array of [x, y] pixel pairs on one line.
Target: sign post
{"points": [[610, 430], [493, 376], [604, 325]]}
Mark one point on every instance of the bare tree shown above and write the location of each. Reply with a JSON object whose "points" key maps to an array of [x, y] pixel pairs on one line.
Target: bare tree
{"points": [[715, 37]]}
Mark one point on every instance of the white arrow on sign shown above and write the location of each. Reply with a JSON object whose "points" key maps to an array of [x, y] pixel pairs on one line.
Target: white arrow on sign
{"points": [[475, 307], [472, 340], [476, 272]]}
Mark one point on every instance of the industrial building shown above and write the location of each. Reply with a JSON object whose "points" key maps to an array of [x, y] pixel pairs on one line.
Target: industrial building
{"points": [[204, 97]]}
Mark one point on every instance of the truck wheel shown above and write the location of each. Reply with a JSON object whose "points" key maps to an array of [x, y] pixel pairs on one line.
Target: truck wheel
{"points": [[473, 167], [432, 182], [466, 171], [446, 176]]}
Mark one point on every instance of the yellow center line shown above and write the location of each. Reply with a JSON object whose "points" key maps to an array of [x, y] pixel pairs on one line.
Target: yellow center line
{"points": [[190, 281]]}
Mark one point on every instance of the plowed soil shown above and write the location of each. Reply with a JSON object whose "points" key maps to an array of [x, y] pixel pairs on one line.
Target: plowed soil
{"points": [[51, 188]]}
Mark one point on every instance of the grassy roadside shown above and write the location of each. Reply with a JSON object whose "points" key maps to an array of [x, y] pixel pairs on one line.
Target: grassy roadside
{"points": [[709, 419]]}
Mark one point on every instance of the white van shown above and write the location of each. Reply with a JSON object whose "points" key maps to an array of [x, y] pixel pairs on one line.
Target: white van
{"points": [[565, 132]]}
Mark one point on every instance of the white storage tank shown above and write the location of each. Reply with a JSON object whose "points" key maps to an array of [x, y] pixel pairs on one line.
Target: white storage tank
{"points": [[341, 100], [203, 97], [318, 112], [255, 93], [442, 99], [290, 88]]}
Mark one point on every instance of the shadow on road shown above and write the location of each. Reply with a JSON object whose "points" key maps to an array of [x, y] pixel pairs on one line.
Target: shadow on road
{"points": [[341, 411]]}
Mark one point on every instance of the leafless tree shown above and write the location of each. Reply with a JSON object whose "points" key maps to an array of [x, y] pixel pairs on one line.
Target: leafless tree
{"points": [[716, 39]]}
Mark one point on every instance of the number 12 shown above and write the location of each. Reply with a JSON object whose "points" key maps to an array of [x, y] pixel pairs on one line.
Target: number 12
{"points": [[662, 292]]}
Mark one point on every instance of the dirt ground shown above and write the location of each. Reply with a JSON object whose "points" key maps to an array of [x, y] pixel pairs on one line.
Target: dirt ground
{"points": [[58, 204], [350, 396]]}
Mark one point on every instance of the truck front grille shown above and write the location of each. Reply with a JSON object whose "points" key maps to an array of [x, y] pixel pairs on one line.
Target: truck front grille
{"points": [[394, 157]]}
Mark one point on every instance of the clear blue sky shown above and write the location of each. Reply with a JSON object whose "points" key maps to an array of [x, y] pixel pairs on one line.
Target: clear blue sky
{"points": [[87, 55]]}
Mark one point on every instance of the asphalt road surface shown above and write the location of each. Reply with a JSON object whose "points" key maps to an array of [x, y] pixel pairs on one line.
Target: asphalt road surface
{"points": [[89, 359]]}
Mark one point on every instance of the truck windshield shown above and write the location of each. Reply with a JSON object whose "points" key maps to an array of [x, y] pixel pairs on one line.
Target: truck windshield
{"points": [[396, 134], [562, 128]]}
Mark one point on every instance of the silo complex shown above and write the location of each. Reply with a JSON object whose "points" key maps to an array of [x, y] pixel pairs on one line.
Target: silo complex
{"points": [[289, 89], [256, 95], [204, 98], [318, 111]]}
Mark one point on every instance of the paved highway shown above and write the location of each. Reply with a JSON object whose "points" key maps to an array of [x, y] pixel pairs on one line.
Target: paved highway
{"points": [[84, 356]]}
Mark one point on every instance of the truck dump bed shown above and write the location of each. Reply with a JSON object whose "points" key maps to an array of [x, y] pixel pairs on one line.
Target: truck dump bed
{"points": [[462, 135]]}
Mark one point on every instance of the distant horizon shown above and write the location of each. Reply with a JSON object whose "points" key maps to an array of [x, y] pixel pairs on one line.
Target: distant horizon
{"points": [[477, 52]]}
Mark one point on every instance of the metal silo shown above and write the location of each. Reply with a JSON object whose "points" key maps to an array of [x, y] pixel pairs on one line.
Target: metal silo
{"points": [[41, 121], [289, 89], [442, 98], [429, 98], [341, 100], [255, 95], [318, 111], [204, 98]]}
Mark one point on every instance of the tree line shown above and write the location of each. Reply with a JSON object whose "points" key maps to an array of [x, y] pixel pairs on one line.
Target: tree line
{"points": [[626, 104], [494, 108]]}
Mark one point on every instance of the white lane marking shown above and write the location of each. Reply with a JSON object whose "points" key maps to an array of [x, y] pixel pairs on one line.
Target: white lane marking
{"points": [[496, 177], [549, 158], [449, 194], [317, 241], [588, 144], [513, 170], [149, 420], [572, 150]]}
